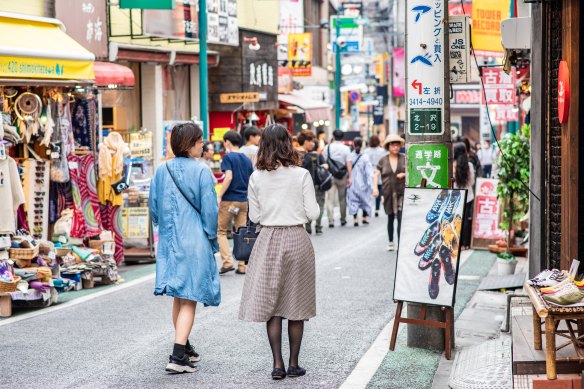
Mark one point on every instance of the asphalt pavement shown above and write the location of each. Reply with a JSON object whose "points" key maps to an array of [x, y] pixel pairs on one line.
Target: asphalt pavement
{"points": [[123, 339]]}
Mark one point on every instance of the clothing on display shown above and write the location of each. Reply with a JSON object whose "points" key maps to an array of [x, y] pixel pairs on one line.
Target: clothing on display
{"points": [[11, 195], [87, 215]]}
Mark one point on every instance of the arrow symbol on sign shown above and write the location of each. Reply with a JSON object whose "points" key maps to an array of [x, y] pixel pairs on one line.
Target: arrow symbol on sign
{"points": [[417, 85]]}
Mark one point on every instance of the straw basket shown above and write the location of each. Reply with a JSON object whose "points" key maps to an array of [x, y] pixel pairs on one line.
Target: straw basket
{"points": [[61, 251], [24, 253], [6, 287]]}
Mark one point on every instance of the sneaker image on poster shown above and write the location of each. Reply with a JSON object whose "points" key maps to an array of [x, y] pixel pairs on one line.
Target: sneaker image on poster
{"points": [[437, 207], [433, 286], [429, 254], [427, 238], [447, 265], [453, 202]]}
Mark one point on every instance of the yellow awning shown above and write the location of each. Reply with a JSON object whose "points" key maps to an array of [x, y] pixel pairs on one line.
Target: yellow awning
{"points": [[36, 47]]}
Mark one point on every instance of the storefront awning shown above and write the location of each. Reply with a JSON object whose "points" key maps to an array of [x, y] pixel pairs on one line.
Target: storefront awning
{"points": [[314, 110], [113, 75], [38, 48]]}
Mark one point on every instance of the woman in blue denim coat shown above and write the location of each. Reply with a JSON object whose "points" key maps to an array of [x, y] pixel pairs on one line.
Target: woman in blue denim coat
{"points": [[183, 204]]}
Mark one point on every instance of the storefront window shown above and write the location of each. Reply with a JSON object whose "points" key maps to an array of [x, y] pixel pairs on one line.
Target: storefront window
{"points": [[121, 107], [177, 101]]}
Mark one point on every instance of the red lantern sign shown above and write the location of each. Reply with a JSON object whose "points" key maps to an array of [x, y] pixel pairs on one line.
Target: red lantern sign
{"points": [[563, 92]]}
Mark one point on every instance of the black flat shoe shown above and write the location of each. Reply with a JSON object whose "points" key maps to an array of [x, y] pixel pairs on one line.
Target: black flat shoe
{"points": [[278, 374], [356, 224], [343, 223], [295, 371], [224, 270], [365, 221]]}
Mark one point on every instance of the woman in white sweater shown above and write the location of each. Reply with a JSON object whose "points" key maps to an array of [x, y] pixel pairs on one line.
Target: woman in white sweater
{"points": [[280, 280]]}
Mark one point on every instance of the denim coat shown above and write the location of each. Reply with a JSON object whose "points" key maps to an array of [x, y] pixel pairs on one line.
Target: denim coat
{"points": [[185, 261]]}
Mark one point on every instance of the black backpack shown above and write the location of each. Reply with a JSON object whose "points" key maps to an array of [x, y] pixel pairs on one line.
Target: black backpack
{"points": [[337, 171], [322, 177]]}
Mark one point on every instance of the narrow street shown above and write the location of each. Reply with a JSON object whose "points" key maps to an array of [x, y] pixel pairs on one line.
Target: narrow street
{"points": [[123, 339]]}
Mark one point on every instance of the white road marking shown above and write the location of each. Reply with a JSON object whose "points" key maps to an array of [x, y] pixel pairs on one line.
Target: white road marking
{"points": [[370, 362], [78, 301]]}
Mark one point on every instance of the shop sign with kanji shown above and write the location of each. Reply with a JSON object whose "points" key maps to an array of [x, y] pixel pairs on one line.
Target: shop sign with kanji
{"points": [[425, 61], [429, 161], [485, 228], [499, 86]]}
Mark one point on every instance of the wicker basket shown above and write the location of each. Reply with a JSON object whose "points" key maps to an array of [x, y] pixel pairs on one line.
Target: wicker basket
{"points": [[62, 251], [24, 253], [6, 287], [98, 244]]}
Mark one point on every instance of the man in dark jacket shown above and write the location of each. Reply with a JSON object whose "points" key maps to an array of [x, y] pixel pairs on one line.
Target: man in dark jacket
{"points": [[311, 160]]}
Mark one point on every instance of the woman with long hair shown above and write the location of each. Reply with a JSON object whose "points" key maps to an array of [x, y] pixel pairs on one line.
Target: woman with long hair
{"points": [[464, 178], [183, 204], [392, 170], [280, 280], [361, 190]]}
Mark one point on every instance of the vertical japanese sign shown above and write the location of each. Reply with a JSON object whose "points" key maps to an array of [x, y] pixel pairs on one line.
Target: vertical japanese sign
{"points": [[430, 162], [459, 48], [86, 23], [300, 54], [425, 61], [291, 22], [500, 95], [485, 230], [399, 72]]}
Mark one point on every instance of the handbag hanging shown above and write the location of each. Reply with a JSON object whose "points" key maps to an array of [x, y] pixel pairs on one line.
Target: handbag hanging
{"points": [[243, 241]]}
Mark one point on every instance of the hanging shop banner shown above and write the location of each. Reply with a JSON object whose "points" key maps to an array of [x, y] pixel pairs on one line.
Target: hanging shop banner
{"points": [[148, 4], [291, 22], [350, 32], [458, 9], [429, 161], [425, 67], [467, 96], [300, 54], [563, 92], [399, 72], [485, 229], [182, 22], [379, 108], [136, 222], [499, 86], [242, 97], [486, 26], [86, 22], [141, 145], [427, 272], [285, 80], [485, 124], [459, 48], [502, 114]]}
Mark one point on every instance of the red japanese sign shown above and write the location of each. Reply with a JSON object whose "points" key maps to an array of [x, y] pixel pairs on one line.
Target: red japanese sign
{"points": [[499, 86], [563, 92], [486, 214]]}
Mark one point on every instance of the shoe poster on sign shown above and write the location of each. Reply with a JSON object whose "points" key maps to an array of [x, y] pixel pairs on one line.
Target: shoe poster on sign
{"points": [[429, 252]]}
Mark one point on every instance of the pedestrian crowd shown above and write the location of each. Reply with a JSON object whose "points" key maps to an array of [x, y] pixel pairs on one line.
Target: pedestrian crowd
{"points": [[279, 186]]}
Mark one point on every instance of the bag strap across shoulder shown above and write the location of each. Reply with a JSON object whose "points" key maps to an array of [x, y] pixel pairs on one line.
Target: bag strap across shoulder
{"points": [[181, 191]]}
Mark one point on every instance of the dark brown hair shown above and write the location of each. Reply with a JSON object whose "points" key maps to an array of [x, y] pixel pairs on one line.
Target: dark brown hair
{"points": [[305, 136], [276, 149], [183, 137], [374, 141]]}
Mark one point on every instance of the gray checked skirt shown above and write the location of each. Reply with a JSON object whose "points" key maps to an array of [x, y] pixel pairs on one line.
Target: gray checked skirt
{"points": [[280, 279]]}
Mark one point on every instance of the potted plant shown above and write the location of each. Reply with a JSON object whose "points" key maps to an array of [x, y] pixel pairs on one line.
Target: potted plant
{"points": [[513, 189]]}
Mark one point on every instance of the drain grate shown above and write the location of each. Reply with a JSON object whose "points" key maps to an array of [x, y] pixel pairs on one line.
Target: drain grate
{"points": [[484, 366]]}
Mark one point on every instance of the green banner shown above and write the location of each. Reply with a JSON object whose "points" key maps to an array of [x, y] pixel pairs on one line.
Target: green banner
{"points": [[148, 4], [429, 161]]}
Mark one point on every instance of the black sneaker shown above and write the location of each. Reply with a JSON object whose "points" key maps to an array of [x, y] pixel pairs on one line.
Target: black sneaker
{"points": [[343, 223], [433, 286], [445, 256], [331, 226], [318, 230], [224, 270], [180, 365], [296, 371], [192, 354]]}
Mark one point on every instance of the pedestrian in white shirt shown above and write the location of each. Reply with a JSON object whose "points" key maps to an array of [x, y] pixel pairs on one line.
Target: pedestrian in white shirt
{"points": [[487, 157], [252, 137], [280, 280], [336, 155]]}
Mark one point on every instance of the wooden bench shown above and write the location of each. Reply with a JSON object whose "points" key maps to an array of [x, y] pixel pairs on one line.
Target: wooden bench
{"points": [[5, 305], [551, 316]]}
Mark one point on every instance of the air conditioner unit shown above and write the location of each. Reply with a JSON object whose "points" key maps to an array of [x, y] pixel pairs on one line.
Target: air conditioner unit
{"points": [[516, 33]]}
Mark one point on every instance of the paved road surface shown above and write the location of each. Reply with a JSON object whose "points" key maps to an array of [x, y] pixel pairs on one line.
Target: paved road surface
{"points": [[123, 339]]}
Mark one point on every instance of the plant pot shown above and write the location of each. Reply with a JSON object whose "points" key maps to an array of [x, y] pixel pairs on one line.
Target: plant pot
{"points": [[506, 267]]}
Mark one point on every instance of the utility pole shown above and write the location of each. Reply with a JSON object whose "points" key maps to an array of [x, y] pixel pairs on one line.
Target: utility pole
{"points": [[338, 68], [203, 75]]}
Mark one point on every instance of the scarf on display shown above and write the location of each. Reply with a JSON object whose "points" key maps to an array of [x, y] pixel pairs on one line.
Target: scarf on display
{"points": [[49, 126], [113, 144]]}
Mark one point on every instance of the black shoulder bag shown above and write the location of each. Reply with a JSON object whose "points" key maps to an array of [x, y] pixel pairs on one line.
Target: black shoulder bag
{"points": [[243, 240]]}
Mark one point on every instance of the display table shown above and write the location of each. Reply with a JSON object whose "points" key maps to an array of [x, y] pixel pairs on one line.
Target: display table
{"points": [[552, 316]]}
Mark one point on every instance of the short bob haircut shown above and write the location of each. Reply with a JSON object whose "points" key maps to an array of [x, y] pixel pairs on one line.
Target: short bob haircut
{"points": [[305, 136], [374, 141], [183, 137], [276, 149], [251, 131]]}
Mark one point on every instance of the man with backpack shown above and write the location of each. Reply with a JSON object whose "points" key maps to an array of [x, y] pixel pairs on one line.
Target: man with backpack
{"points": [[336, 155], [316, 166]]}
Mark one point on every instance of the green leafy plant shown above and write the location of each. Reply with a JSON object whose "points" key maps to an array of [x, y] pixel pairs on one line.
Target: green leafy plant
{"points": [[513, 174]]}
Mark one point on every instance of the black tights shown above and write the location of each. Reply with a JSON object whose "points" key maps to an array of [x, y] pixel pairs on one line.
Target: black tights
{"points": [[295, 332], [390, 220]]}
